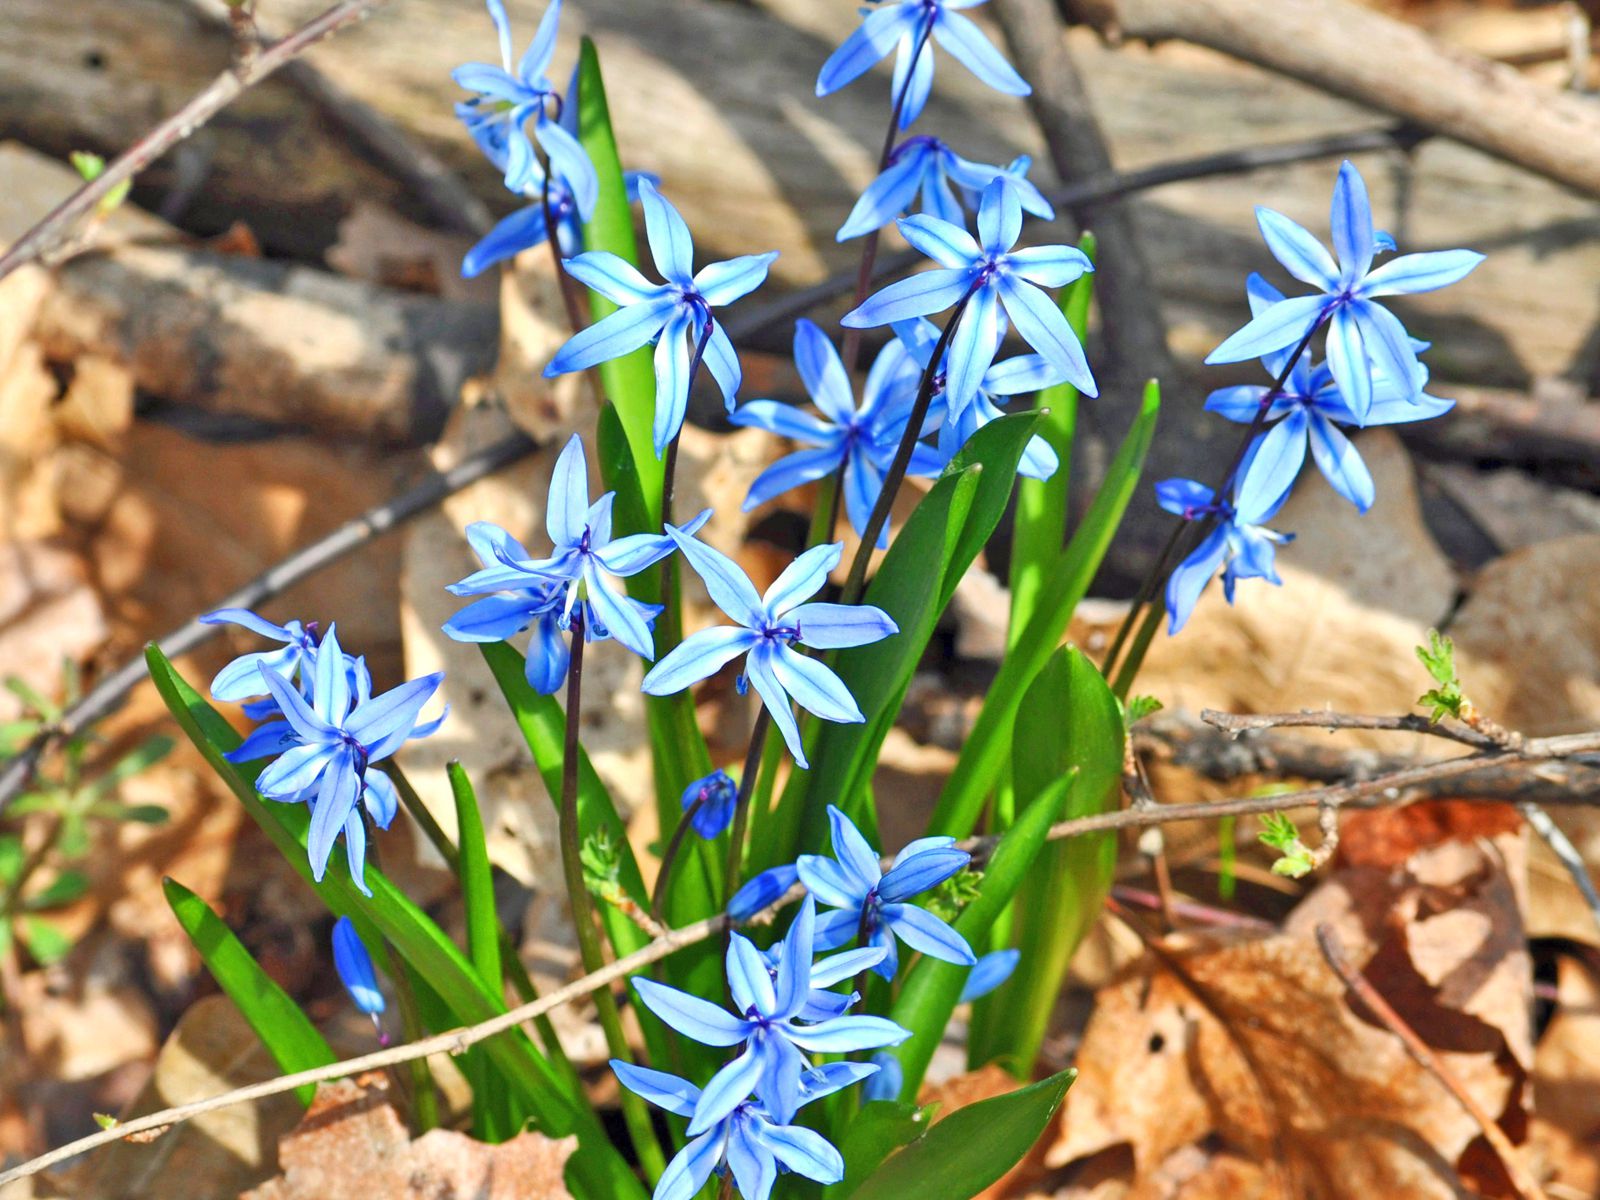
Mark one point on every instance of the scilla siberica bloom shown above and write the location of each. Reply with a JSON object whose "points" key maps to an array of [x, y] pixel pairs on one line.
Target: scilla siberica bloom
{"points": [[771, 1063], [332, 741], [1308, 412], [861, 440], [769, 627], [508, 96], [585, 558], [989, 277], [676, 315], [749, 1142], [927, 167], [1241, 545], [907, 26], [1364, 338], [869, 901], [1021, 375], [354, 965]]}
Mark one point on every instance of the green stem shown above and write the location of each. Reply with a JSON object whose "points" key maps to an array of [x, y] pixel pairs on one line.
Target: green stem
{"points": [[741, 806], [637, 1117]]}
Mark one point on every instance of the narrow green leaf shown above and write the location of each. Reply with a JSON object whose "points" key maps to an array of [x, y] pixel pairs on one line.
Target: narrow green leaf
{"points": [[972, 1148], [477, 880], [596, 1170], [989, 744], [933, 988], [285, 1030], [1070, 724]]}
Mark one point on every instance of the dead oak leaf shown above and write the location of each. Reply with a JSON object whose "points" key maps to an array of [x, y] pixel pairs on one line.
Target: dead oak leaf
{"points": [[352, 1145]]}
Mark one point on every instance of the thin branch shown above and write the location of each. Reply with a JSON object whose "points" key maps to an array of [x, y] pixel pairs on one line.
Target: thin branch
{"points": [[58, 226], [350, 536], [1450, 730], [1374, 1002]]}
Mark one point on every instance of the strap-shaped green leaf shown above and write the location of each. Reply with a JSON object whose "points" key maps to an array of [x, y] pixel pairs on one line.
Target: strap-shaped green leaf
{"points": [[970, 1149], [875, 1132], [285, 1030], [989, 744]]}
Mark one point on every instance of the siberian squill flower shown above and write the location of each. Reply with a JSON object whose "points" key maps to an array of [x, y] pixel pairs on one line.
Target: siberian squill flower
{"points": [[510, 95], [354, 965], [1364, 337], [676, 315], [988, 277], [927, 167], [585, 558], [871, 902], [860, 440], [1308, 411], [769, 627], [771, 1063], [748, 1141], [711, 801], [332, 742], [1018, 376], [1241, 545], [907, 26]]}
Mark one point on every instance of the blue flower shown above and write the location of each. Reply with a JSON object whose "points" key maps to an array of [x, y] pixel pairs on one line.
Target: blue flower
{"points": [[762, 891], [926, 166], [716, 795], [861, 440], [585, 557], [675, 314], [772, 1063], [1307, 413], [989, 277], [327, 749], [509, 96], [871, 903], [1364, 338], [769, 627], [1024, 374], [1241, 545], [907, 26], [354, 964], [241, 679], [748, 1141], [525, 228]]}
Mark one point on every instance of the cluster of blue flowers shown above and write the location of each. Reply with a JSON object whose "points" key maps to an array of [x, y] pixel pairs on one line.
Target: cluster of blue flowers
{"points": [[1371, 376]]}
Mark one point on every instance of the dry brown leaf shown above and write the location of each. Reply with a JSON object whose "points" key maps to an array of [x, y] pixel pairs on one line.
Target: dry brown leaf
{"points": [[1566, 1081], [352, 1145]]}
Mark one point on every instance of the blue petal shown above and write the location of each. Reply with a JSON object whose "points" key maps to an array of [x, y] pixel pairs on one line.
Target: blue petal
{"points": [[722, 283], [802, 578], [990, 972], [1338, 461], [690, 1168], [844, 1034], [1348, 360], [722, 360], [729, 586], [1279, 327], [728, 1089], [785, 420], [249, 620], [822, 371], [1050, 266], [804, 1151], [921, 930], [1191, 576], [928, 292], [972, 348], [754, 1169], [623, 332], [826, 626], [1179, 496], [886, 197], [241, 679], [826, 972], [1412, 273], [965, 43], [383, 723], [295, 770], [815, 687], [265, 741], [308, 725], [1388, 346], [1043, 327], [758, 670], [1241, 403], [919, 85], [947, 243], [792, 471], [520, 231], [794, 971], [330, 685], [569, 161], [762, 891], [830, 882], [749, 985], [380, 797], [670, 243], [697, 657], [1351, 221], [914, 875], [336, 797], [676, 1096], [615, 278], [355, 851], [867, 45], [620, 615], [1275, 465], [1301, 254], [536, 58], [999, 218], [853, 850], [691, 1016], [672, 380], [354, 964], [492, 619]]}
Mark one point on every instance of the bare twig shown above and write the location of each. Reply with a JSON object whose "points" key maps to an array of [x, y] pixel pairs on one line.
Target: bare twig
{"points": [[1451, 730], [1424, 1054], [353, 534], [58, 226]]}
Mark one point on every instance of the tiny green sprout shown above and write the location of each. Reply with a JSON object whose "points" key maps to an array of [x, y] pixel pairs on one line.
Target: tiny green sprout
{"points": [[106, 1120], [1138, 708], [602, 864], [1279, 833], [1439, 657], [955, 893], [90, 167]]}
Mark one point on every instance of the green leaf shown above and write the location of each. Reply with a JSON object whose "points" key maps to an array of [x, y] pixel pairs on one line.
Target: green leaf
{"points": [[64, 889], [1280, 833], [972, 1148], [1070, 724], [918, 576], [286, 1031], [988, 745], [597, 1170], [1439, 657], [44, 941], [12, 856], [1041, 517], [933, 988], [477, 880], [879, 1129]]}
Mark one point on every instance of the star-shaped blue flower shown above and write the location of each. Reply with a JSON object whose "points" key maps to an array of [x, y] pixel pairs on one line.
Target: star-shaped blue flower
{"points": [[505, 611], [333, 741], [748, 1141], [1308, 413], [1364, 338], [674, 314], [584, 560], [769, 627], [862, 440], [1241, 545], [766, 1024], [905, 26], [990, 277], [508, 96], [927, 167], [871, 902]]}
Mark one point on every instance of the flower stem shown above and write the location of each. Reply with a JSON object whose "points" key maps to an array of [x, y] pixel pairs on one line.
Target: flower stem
{"points": [[658, 898], [825, 517], [590, 951], [1157, 576], [856, 581], [741, 806], [669, 626]]}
